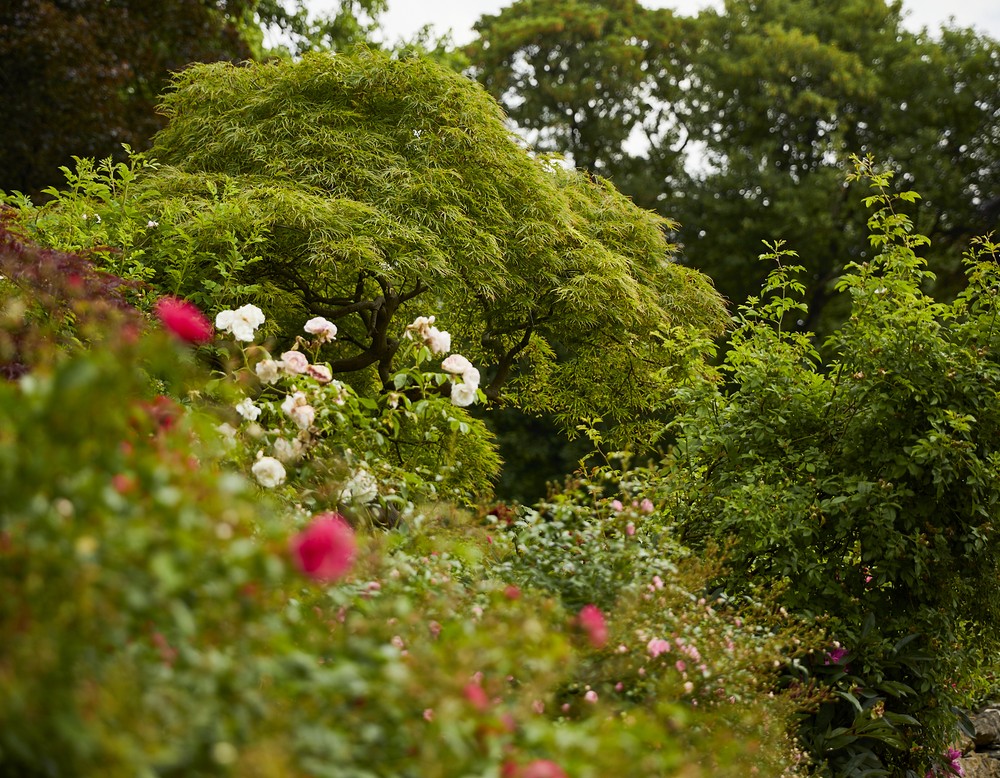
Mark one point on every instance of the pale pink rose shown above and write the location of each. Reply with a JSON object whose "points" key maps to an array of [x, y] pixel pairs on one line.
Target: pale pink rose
{"points": [[463, 395], [646, 506], [295, 362], [268, 370], [591, 697], [456, 364], [303, 416], [630, 529], [321, 373], [324, 330], [616, 505]]}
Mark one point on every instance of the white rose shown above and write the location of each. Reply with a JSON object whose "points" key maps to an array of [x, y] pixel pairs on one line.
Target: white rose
{"points": [[287, 450], [245, 321], [456, 364], [438, 341], [323, 329], [471, 376], [224, 321], [247, 409], [360, 487], [463, 395], [420, 326], [269, 472], [268, 370], [295, 362]]}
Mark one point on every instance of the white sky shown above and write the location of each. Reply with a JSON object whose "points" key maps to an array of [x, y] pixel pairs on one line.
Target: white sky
{"points": [[407, 16]]}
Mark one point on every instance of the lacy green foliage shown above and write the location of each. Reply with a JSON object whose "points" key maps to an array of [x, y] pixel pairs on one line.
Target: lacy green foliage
{"points": [[152, 622], [865, 478], [367, 190]]}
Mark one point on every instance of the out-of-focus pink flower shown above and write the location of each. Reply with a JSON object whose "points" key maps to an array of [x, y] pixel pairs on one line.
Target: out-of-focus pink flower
{"points": [[184, 320], [630, 529], [321, 373], [592, 621], [646, 506], [657, 646], [591, 696], [325, 549], [616, 505], [541, 768], [475, 694], [512, 592]]}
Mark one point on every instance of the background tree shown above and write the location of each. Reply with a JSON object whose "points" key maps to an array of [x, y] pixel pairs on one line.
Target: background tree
{"points": [[771, 98], [86, 75]]}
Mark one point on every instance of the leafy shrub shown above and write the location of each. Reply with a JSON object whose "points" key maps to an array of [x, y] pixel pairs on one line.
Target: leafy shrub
{"points": [[865, 479]]}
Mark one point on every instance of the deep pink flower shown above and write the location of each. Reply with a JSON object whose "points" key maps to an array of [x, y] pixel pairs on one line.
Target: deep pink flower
{"points": [[184, 320], [542, 768], [834, 657], [475, 694], [592, 621], [325, 549]]}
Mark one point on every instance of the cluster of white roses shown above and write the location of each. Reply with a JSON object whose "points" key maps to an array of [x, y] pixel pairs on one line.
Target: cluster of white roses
{"points": [[439, 342], [270, 470]]}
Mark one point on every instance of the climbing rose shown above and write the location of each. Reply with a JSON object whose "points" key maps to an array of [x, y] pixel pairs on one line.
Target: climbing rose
{"points": [[592, 621], [183, 319], [657, 646], [247, 409], [323, 329], [325, 549], [321, 373]]}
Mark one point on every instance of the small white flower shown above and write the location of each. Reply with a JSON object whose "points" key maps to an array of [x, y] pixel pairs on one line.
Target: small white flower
{"points": [[98, 217], [224, 320], [438, 341], [295, 362], [268, 370], [320, 327], [456, 364], [247, 409], [293, 401], [151, 224], [268, 471], [360, 487], [463, 395], [227, 430]]}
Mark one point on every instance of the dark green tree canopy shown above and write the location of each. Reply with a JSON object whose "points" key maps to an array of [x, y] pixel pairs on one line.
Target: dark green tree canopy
{"points": [[83, 77], [371, 190], [772, 97]]}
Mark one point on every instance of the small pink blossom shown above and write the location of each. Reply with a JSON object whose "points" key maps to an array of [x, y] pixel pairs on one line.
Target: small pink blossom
{"points": [[616, 506], [325, 549], [680, 665], [541, 768], [630, 529], [428, 714], [592, 621], [591, 697], [657, 646], [646, 506]]}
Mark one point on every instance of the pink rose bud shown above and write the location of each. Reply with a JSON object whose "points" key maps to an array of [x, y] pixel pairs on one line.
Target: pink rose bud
{"points": [[325, 549]]}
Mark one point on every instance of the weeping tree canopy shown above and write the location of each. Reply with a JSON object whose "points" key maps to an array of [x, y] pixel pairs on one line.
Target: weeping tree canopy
{"points": [[372, 190]]}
